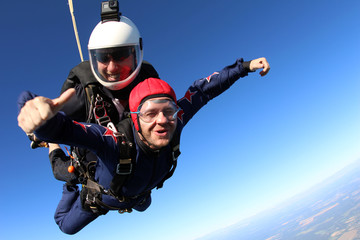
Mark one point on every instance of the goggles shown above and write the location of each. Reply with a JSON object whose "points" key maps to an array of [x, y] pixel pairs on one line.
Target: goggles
{"points": [[150, 110], [116, 54]]}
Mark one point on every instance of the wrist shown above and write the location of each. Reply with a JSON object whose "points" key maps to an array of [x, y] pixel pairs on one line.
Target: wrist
{"points": [[246, 66]]}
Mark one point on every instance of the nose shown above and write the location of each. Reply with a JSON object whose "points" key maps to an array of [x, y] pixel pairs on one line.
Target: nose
{"points": [[112, 66], [161, 118]]}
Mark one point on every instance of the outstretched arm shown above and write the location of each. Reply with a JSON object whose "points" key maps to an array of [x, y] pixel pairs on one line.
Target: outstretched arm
{"points": [[205, 89], [37, 111]]}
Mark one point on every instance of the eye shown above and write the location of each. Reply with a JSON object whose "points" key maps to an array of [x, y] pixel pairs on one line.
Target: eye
{"points": [[119, 59], [103, 58], [150, 114], [169, 112]]}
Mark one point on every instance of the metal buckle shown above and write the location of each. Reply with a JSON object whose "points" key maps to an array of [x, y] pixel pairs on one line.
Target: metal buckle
{"points": [[128, 210], [124, 167], [173, 156], [99, 105], [90, 201], [102, 120]]}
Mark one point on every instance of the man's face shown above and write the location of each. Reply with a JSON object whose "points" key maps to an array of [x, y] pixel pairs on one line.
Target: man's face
{"points": [[158, 121], [116, 69]]}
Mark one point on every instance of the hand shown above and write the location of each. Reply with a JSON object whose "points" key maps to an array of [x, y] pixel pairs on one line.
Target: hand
{"points": [[258, 64], [37, 111]]}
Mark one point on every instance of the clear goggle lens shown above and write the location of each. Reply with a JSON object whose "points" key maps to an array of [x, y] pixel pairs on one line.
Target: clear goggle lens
{"points": [[149, 111]]}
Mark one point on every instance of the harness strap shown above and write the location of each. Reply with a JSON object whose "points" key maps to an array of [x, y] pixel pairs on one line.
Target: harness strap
{"points": [[127, 156], [97, 106], [93, 201], [90, 93], [100, 113], [120, 210], [90, 194]]}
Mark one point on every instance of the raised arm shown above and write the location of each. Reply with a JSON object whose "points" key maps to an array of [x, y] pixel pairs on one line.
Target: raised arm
{"points": [[205, 89]]}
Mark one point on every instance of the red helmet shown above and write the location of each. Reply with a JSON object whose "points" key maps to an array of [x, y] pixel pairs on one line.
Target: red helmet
{"points": [[149, 88]]}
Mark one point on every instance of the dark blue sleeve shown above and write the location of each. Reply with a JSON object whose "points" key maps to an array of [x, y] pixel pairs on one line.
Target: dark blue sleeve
{"points": [[23, 98], [205, 89], [62, 130]]}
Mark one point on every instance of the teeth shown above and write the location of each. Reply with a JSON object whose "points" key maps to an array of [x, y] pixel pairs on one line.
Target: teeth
{"points": [[113, 76]]}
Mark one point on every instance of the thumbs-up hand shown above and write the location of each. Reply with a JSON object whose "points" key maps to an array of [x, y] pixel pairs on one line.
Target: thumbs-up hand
{"points": [[37, 111]]}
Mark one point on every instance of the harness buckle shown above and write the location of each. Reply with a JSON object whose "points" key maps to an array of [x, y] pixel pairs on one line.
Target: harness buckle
{"points": [[174, 157], [128, 210], [90, 200], [102, 120], [124, 167], [176, 152], [100, 109]]}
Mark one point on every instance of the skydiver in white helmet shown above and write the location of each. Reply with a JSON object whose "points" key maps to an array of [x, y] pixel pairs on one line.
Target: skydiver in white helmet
{"points": [[102, 84]]}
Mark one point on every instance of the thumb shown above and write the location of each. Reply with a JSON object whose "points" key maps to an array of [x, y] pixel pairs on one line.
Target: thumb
{"points": [[59, 102]]}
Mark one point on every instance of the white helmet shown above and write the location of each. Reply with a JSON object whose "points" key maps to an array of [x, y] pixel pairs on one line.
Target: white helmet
{"points": [[119, 42]]}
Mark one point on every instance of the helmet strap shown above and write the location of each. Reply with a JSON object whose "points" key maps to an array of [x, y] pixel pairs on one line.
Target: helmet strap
{"points": [[141, 44]]}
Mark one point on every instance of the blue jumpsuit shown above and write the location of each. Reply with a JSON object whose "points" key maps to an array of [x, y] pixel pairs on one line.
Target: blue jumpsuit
{"points": [[150, 168]]}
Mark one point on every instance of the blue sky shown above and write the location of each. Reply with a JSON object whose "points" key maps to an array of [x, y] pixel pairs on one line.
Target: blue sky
{"points": [[261, 142]]}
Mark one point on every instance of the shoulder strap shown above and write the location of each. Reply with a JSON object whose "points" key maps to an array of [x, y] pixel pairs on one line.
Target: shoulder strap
{"points": [[90, 91], [80, 74], [96, 107], [127, 156]]}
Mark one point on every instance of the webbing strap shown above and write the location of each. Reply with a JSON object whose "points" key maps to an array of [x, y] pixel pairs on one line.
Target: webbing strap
{"points": [[127, 155], [90, 95]]}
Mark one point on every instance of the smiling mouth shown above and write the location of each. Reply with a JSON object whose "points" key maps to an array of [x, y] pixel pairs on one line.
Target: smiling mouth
{"points": [[162, 132], [113, 77]]}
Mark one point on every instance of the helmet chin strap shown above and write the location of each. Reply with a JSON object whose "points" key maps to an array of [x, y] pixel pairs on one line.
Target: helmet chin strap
{"points": [[142, 138]]}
